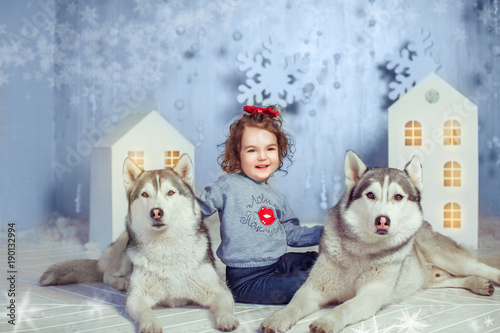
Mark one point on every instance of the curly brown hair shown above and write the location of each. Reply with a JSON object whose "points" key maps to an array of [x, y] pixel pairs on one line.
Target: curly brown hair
{"points": [[229, 160]]}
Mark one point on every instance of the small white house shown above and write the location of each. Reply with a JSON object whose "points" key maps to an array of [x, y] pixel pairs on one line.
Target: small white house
{"points": [[153, 143], [439, 125]]}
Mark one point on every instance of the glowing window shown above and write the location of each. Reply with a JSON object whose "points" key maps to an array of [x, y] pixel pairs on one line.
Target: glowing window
{"points": [[413, 133], [171, 158], [452, 215], [138, 157], [452, 133], [452, 174]]}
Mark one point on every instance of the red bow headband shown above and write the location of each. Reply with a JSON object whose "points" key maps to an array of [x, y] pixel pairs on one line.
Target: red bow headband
{"points": [[254, 109]]}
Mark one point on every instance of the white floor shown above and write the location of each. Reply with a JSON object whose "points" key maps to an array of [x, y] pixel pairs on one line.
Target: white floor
{"points": [[99, 308]]}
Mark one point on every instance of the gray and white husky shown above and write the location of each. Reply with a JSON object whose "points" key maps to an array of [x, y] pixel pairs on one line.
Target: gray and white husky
{"points": [[376, 249], [164, 257]]}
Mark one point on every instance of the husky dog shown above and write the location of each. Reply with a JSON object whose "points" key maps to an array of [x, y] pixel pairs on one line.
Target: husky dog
{"points": [[164, 257], [375, 250]]}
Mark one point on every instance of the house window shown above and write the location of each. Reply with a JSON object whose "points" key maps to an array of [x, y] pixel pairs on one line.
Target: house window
{"points": [[452, 133], [452, 174], [171, 158], [137, 156], [413, 133], [452, 215]]}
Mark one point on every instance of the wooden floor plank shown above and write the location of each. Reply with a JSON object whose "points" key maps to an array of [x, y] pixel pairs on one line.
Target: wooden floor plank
{"points": [[97, 307]]}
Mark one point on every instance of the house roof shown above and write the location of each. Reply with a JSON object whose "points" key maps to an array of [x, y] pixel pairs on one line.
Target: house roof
{"points": [[432, 81], [131, 121]]}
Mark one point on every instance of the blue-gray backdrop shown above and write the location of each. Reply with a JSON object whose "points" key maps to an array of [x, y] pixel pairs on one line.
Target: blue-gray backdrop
{"points": [[67, 66]]}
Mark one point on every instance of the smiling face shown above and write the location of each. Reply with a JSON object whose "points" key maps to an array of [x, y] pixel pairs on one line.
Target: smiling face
{"points": [[259, 156]]}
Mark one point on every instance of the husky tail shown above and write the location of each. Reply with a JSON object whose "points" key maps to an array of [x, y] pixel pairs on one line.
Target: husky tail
{"points": [[72, 271], [113, 268]]}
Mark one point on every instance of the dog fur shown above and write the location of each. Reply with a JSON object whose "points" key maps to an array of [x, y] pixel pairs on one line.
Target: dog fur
{"points": [[164, 258], [376, 249]]}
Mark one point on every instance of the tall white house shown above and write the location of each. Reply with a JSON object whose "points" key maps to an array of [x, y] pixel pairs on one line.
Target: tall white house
{"points": [[153, 143], [439, 125]]}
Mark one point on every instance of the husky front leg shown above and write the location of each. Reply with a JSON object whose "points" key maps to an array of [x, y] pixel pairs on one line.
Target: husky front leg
{"points": [[305, 301], [140, 310], [368, 300], [222, 308], [212, 292]]}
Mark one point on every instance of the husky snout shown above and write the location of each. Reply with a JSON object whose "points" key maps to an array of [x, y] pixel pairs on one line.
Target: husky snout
{"points": [[382, 223], [156, 213]]}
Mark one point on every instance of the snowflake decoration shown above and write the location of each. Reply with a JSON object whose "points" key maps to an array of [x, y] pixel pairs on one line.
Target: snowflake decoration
{"points": [[72, 8], [488, 321], [412, 15], [440, 7], [373, 328], [141, 6], [406, 324], [121, 53], [272, 77], [410, 66], [410, 323], [460, 35], [489, 15], [89, 14]]}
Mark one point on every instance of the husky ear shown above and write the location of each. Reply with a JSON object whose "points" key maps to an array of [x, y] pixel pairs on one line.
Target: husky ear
{"points": [[354, 169], [414, 170], [130, 173], [184, 168]]}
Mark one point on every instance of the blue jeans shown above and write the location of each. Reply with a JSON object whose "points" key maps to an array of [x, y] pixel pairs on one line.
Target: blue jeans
{"points": [[274, 284]]}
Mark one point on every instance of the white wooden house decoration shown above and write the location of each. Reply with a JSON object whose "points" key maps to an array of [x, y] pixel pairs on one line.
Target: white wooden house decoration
{"points": [[153, 143], [439, 125]]}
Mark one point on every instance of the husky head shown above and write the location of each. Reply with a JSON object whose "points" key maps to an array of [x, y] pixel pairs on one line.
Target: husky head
{"points": [[382, 204], [159, 199]]}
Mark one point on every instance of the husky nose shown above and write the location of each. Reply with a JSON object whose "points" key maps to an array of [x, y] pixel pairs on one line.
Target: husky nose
{"points": [[156, 213], [382, 223]]}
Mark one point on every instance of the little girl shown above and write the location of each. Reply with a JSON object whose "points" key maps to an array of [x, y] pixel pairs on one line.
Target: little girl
{"points": [[256, 222]]}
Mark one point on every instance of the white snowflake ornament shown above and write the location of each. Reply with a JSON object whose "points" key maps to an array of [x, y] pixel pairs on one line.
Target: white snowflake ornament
{"points": [[413, 64], [272, 77]]}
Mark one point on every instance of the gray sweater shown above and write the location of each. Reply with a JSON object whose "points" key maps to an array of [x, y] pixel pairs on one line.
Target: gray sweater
{"points": [[256, 222]]}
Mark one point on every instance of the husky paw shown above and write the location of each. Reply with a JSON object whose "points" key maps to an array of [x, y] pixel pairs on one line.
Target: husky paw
{"points": [[321, 325], [480, 286], [151, 328], [279, 322], [267, 329], [149, 324], [119, 283], [226, 322]]}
